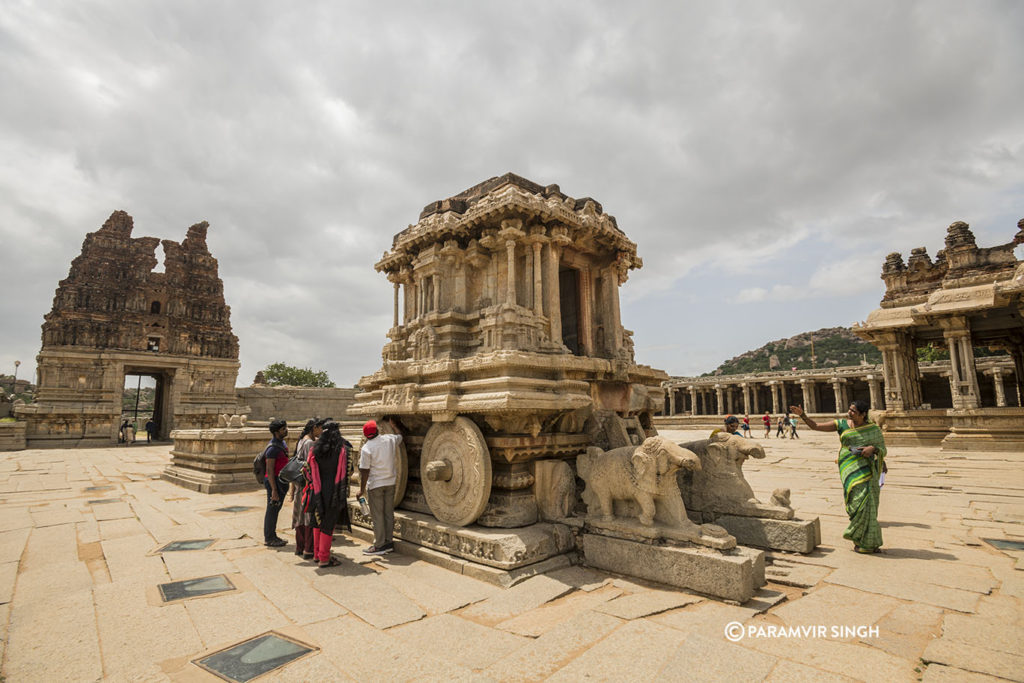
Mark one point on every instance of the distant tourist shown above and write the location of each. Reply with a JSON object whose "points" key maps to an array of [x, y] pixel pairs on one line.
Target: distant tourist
{"points": [[732, 425], [302, 515], [746, 426], [767, 420], [122, 433], [276, 455], [378, 474], [792, 428], [328, 468], [781, 424], [861, 464], [150, 430], [129, 432]]}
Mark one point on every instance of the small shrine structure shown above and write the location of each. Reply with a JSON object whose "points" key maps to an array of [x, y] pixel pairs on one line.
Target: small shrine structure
{"points": [[115, 315], [968, 298]]}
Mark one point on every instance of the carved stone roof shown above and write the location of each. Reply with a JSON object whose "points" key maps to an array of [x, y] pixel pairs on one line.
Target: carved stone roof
{"points": [[113, 299], [961, 264], [981, 285], [463, 216]]}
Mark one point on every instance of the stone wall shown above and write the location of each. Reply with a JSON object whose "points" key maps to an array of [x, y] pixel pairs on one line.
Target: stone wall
{"points": [[12, 436], [295, 403]]}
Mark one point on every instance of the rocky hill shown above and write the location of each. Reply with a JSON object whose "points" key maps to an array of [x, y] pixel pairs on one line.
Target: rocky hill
{"points": [[833, 346]]}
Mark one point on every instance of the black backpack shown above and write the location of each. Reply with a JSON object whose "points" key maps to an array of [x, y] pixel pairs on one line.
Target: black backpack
{"points": [[259, 463]]}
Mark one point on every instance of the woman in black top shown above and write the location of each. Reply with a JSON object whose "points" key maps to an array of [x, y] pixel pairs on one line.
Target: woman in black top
{"points": [[328, 465]]}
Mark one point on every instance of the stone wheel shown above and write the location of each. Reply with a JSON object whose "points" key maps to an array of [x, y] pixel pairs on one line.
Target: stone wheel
{"points": [[455, 470], [403, 463]]}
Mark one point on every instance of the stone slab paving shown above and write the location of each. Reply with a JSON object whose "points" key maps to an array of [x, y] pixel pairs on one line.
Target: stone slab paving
{"points": [[647, 603], [467, 643], [945, 605], [539, 621]]}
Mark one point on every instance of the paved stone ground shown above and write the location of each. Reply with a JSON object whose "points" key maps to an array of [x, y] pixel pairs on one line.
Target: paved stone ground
{"points": [[79, 531]]}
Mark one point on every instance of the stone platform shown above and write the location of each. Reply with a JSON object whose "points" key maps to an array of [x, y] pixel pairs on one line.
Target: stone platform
{"points": [[12, 436], [730, 575], [790, 535], [215, 460], [503, 549]]}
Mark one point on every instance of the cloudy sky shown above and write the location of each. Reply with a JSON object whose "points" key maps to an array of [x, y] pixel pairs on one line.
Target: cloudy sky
{"points": [[765, 157]]}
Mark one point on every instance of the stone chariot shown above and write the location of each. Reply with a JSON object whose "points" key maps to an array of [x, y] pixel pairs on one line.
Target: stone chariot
{"points": [[507, 358]]}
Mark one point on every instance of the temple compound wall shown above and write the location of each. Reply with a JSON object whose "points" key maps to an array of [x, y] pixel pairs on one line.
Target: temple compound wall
{"points": [[115, 315], [295, 404]]}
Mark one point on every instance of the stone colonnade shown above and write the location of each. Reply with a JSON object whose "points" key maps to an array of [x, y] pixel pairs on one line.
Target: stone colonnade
{"points": [[832, 391]]}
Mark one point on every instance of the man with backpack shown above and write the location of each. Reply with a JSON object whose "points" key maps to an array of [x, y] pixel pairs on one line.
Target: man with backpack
{"points": [[275, 457]]}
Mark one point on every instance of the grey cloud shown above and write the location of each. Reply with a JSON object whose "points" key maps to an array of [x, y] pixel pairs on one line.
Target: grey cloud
{"points": [[307, 135]]}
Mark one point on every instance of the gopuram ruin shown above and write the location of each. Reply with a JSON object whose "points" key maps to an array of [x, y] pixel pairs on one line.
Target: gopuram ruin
{"points": [[114, 315], [513, 379]]}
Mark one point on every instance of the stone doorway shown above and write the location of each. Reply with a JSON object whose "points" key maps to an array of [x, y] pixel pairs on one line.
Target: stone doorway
{"points": [[147, 393], [569, 301]]}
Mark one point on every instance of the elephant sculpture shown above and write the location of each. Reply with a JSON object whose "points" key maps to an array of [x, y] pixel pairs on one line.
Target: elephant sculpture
{"points": [[645, 474], [719, 487]]}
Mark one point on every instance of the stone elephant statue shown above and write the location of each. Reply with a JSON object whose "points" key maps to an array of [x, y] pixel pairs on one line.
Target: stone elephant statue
{"points": [[645, 474], [719, 485]]}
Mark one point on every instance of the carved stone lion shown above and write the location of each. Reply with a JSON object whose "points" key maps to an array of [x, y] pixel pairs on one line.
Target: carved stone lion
{"points": [[719, 485], [645, 474]]}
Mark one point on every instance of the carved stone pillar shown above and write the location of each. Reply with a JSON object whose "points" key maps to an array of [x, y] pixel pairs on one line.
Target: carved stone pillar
{"points": [[875, 387], [746, 397], [610, 314], [412, 298], [510, 278], [436, 287], [902, 377], [997, 379], [510, 232], [807, 387], [395, 316], [587, 310], [538, 288], [963, 379], [671, 401], [837, 389], [693, 400], [719, 395], [552, 300]]}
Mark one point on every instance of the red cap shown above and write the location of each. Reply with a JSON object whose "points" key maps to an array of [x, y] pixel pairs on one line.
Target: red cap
{"points": [[370, 429]]}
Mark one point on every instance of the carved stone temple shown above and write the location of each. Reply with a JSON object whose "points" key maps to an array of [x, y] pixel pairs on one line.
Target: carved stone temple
{"points": [[967, 298], [114, 315], [506, 362]]}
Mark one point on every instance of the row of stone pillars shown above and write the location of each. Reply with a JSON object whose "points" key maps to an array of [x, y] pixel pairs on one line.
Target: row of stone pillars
{"points": [[902, 375], [721, 399]]}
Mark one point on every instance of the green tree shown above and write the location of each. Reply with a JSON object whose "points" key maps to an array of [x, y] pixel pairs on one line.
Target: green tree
{"points": [[277, 374]]}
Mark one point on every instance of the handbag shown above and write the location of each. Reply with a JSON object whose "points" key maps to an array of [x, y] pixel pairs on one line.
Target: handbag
{"points": [[292, 472]]}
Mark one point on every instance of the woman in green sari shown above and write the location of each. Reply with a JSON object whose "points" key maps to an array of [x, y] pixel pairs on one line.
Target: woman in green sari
{"points": [[861, 463]]}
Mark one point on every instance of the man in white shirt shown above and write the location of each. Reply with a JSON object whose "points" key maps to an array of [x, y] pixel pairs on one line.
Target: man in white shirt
{"points": [[378, 473]]}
